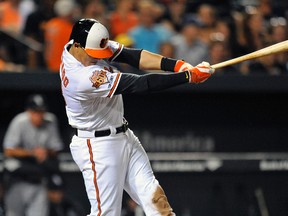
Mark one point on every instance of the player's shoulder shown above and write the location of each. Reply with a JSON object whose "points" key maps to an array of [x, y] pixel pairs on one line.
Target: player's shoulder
{"points": [[21, 119], [50, 117], [116, 49], [113, 45]]}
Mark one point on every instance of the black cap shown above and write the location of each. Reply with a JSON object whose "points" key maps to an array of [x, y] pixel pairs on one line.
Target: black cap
{"points": [[36, 102], [55, 182]]}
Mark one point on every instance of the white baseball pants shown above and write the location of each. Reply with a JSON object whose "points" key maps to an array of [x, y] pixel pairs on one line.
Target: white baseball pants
{"points": [[113, 163]]}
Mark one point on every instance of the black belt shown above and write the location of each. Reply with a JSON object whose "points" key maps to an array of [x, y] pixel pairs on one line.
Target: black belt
{"points": [[102, 133]]}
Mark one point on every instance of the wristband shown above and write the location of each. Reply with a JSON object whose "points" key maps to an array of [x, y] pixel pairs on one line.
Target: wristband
{"points": [[168, 64]]}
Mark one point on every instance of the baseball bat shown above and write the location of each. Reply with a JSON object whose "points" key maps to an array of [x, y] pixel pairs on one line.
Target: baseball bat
{"points": [[276, 48]]}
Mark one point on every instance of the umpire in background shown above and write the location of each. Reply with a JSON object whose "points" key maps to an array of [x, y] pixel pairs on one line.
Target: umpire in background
{"points": [[30, 145]]}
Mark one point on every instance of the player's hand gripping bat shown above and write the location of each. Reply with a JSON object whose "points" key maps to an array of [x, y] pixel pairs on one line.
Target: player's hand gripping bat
{"points": [[276, 48]]}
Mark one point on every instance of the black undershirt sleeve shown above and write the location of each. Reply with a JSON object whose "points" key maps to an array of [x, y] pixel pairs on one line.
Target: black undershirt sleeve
{"points": [[132, 83], [129, 56]]}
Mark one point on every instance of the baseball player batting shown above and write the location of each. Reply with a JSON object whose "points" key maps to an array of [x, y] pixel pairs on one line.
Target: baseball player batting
{"points": [[109, 155]]}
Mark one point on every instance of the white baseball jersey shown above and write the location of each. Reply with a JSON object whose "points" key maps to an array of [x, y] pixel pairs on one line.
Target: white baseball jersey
{"points": [[88, 92]]}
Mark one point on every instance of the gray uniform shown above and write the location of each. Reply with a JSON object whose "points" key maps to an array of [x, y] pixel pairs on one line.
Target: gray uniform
{"points": [[26, 197], [21, 133]]}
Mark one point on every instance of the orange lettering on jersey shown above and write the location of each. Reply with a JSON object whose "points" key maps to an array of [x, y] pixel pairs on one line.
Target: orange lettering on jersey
{"points": [[98, 78], [65, 82], [64, 78]]}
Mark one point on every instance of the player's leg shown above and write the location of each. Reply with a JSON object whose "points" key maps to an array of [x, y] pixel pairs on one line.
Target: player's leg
{"points": [[103, 164], [37, 200], [141, 184], [14, 202]]}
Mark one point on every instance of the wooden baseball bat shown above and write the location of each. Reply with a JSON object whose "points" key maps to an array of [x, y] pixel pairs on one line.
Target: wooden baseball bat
{"points": [[276, 48]]}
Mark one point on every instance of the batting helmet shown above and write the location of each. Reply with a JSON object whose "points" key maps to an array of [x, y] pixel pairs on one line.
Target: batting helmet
{"points": [[93, 37]]}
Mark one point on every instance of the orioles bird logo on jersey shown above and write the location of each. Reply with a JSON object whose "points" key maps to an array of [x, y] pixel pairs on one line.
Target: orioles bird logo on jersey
{"points": [[98, 78]]}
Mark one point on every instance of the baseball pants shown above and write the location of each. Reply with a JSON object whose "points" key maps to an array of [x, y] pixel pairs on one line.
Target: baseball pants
{"points": [[26, 199], [112, 163]]}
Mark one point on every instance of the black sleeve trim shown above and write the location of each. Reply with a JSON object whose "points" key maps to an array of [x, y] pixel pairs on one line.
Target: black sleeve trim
{"points": [[132, 83], [129, 56]]}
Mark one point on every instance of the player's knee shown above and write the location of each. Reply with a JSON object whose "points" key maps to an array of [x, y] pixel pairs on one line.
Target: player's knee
{"points": [[161, 203]]}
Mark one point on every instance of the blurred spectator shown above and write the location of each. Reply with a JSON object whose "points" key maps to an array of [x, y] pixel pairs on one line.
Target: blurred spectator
{"points": [[219, 52], [265, 8], [253, 34], [30, 145], [10, 16], [123, 18], [57, 32], [10, 67], [95, 9], [35, 22], [238, 20], [59, 203], [206, 15], [279, 31], [10, 31], [167, 49], [225, 31], [26, 7], [187, 44], [174, 14], [148, 34], [253, 31], [34, 28]]}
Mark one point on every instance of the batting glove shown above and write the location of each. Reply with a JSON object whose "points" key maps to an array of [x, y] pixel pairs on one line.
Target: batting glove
{"points": [[182, 66], [200, 73]]}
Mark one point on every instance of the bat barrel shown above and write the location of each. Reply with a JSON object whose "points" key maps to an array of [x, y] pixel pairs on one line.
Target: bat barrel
{"points": [[276, 48]]}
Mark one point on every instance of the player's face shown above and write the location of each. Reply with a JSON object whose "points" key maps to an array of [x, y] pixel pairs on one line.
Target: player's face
{"points": [[91, 60], [36, 117], [85, 59]]}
